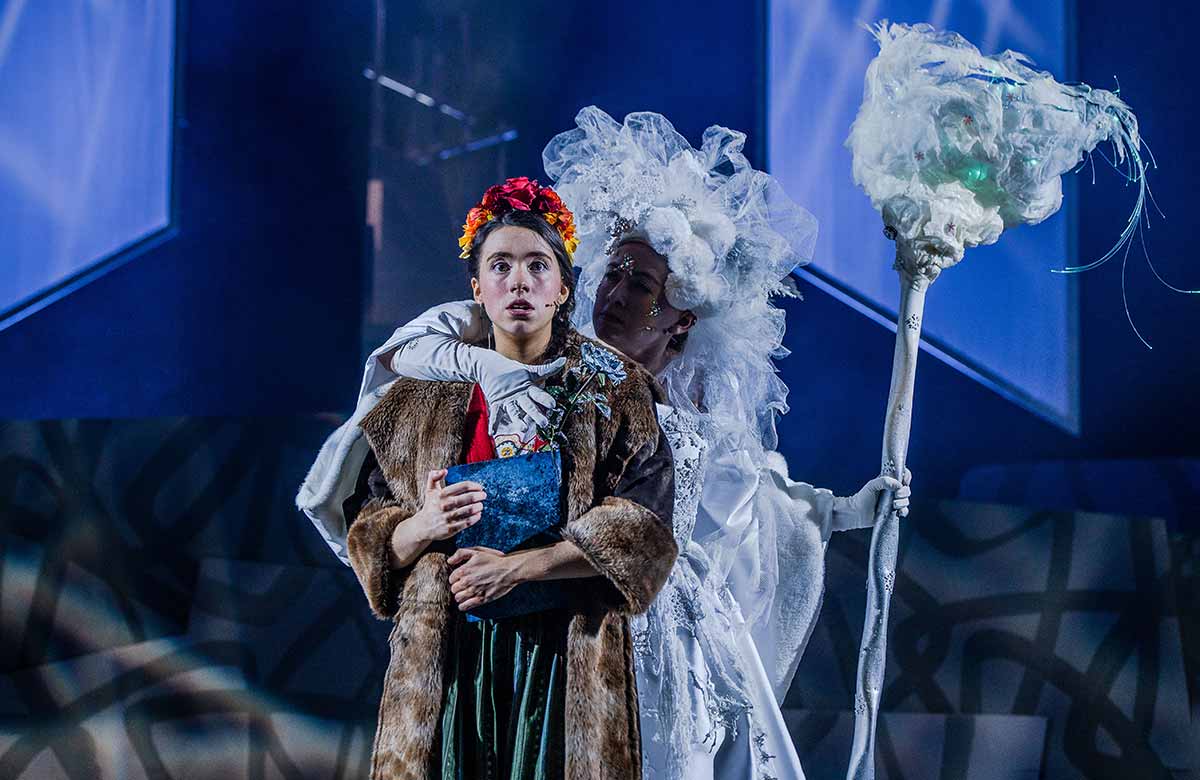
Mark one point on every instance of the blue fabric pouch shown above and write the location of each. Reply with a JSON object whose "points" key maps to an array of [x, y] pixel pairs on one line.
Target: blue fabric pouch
{"points": [[522, 510]]}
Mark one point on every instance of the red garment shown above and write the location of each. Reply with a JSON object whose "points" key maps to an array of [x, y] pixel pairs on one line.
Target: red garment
{"points": [[479, 444]]}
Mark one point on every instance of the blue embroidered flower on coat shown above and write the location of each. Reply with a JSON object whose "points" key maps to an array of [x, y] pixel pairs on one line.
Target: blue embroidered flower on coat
{"points": [[602, 362], [582, 384]]}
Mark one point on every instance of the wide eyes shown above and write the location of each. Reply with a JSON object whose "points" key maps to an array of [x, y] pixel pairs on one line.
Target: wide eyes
{"points": [[500, 266]]}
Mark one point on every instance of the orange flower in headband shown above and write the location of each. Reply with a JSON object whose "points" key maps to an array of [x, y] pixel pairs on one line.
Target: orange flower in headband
{"points": [[520, 194]]}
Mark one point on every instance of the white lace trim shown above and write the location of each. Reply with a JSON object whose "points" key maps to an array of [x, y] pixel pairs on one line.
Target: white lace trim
{"points": [[691, 608]]}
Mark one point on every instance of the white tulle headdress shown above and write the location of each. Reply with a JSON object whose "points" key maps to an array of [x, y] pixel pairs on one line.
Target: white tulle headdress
{"points": [[731, 237]]}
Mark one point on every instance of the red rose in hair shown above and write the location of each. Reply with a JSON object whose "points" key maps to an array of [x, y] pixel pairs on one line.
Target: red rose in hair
{"points": [[520, 193], [516, 194], [548, 201], [491, 198], [521, 183]]}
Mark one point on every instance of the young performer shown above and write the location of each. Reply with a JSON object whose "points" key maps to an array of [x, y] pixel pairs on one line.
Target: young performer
{"points": [[549, 694]]}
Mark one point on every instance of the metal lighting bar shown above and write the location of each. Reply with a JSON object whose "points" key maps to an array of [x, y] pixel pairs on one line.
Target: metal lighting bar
{"points": [[401, 88]]}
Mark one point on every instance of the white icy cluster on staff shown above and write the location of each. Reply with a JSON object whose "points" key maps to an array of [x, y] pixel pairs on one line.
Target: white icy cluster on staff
{"points": [[953, 147]]}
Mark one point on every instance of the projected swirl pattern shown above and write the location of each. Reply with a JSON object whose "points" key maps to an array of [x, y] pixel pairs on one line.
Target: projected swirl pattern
{"points": [[167, 613]]}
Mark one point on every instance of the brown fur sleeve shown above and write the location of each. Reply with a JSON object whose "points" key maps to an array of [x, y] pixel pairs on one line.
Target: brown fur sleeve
{"points": [[627, 536], [370, 537], [368, 543]]}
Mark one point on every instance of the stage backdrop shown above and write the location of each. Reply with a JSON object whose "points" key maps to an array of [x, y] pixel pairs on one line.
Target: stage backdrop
{"points": [[250, 302], [85, 138]]}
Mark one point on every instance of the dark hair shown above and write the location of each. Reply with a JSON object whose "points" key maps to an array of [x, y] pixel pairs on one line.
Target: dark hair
{"points": [[532, 221]]}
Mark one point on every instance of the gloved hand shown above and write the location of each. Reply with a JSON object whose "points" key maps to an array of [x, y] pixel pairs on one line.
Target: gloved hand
{"points": [[515, 402], [858, 510], [436, 351]]}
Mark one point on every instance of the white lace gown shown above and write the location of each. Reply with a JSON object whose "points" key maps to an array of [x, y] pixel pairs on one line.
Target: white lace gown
{"points": [[709, 699]]}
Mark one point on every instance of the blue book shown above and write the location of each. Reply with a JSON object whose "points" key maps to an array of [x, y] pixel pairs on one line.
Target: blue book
{"points": [[523, 509]]}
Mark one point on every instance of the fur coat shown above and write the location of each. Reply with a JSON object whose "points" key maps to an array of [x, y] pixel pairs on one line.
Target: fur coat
{"points": [[618, 483]]}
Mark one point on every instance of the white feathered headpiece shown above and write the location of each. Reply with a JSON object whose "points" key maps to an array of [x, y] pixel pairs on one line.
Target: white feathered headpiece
{"points": [[730, 235]]}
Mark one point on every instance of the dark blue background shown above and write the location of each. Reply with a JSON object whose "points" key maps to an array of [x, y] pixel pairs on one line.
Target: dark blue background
{"points": [[234, 334], [254, 307]]}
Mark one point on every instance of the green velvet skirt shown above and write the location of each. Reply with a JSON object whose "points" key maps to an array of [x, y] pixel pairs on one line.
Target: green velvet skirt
{"points": [[503, 698]]}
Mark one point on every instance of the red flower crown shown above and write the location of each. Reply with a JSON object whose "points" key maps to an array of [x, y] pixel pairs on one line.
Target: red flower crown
{"points": [[520, 194]]}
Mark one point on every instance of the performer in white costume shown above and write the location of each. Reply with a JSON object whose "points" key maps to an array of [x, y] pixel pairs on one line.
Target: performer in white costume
{"points": [[680, 250]]}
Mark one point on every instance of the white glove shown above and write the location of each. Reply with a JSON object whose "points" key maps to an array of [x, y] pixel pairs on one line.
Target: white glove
{"points": [[437, 352], [858, 510], [515, 403]]}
